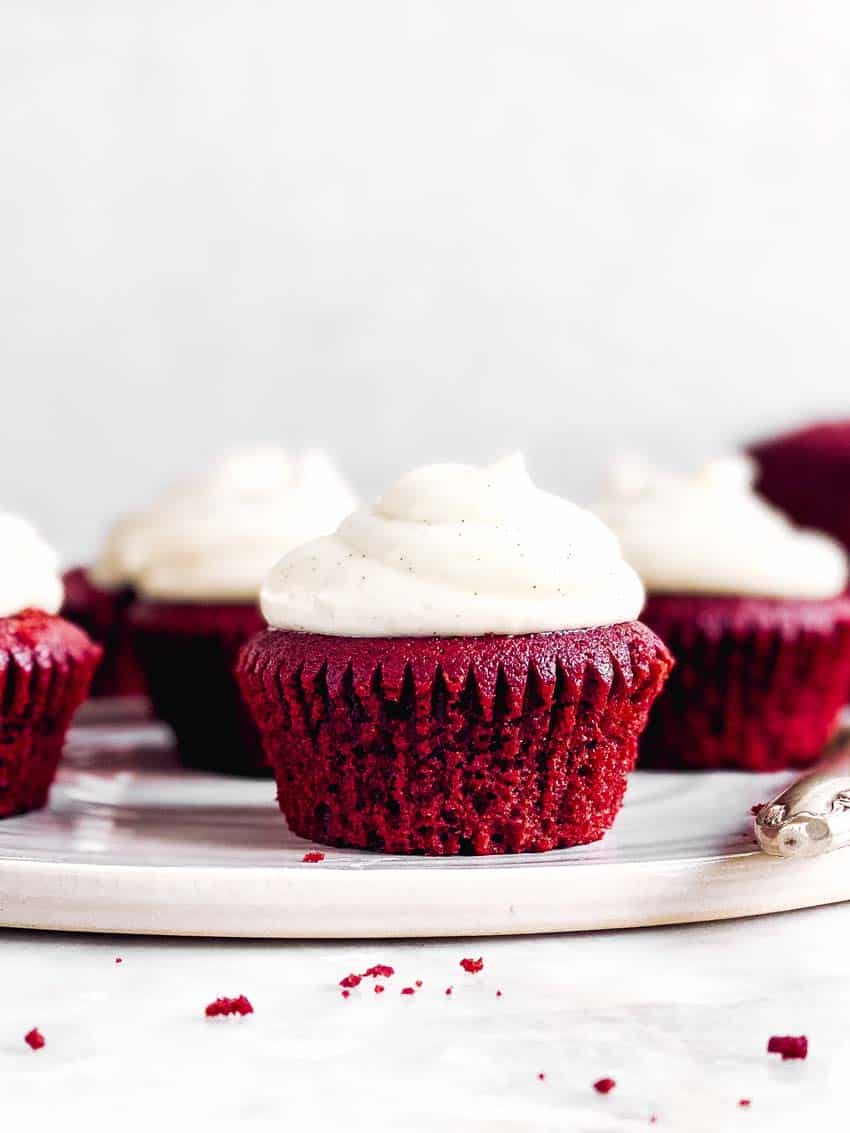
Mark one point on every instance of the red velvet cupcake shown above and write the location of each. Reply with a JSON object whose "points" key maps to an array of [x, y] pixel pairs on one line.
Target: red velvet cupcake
{"points": [[46, 667], [806, 473], [758, 683], [198, 556], [752, 611], [101, 611], [387, 732], [481, 745], [189, 652]]}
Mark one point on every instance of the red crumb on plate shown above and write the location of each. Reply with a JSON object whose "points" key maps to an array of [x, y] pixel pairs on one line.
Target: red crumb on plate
{"points": [[119, 959], [379, 970], [225, 1005], [378, 989], [408, 991], [34, 1039], [418, 983], [789, 1046], [351, 980], [346, 994], [448, 991], [604, 1085], [498, 993], [313, 856], [744, 1103], [472, 965], [541, 1075]]}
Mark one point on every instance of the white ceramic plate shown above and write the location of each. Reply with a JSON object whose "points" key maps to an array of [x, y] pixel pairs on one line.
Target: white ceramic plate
{"points": [[131, 843]]}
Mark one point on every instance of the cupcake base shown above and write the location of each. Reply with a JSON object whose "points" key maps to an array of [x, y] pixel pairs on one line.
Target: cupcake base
{"points": [[102, 614], [453, 745], [758, 682], [46, 667], [188, 652]]}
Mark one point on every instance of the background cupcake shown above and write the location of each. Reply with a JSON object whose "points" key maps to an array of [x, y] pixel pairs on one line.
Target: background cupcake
{"points": [[750, 607], [806, 473], [197, 558], [46, 666], [457, 669], [97, 599]]}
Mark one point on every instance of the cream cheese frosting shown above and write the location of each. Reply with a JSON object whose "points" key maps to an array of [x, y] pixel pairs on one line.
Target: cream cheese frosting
{"points": [[453, 549], [214, 538], [29, 569], [711, 533]]}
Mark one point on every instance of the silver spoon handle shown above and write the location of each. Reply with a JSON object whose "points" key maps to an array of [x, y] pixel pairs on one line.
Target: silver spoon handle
{"points": [[812, 816]]}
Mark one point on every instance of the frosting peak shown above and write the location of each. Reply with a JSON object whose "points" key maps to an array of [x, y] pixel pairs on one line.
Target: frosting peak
{"points": [[711, 533], [453, 549], [29, 569], [213, 538]]}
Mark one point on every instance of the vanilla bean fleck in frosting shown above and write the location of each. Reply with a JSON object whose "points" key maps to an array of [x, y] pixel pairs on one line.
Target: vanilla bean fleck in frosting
{"points": [[711, 533], [29, 569], [453, 549], [215, 537]]}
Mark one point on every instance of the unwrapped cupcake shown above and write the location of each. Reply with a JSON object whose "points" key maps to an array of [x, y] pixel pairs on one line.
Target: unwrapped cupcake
{"points": [[46, 667], [457, 670], [751, 608], [196, 560]]}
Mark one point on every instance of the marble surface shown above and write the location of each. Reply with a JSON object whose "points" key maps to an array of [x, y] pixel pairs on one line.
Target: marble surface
{"points": [[680, 1017]]}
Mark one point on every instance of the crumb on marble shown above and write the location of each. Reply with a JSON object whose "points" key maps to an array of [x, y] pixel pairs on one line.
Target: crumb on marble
{"points": [[469, 965], [604, 1085], [789, 1046], [227, 1005], [379, 970], [34, 1039]]}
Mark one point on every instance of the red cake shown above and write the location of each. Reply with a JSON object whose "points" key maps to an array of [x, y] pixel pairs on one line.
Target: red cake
{"points": [[806, 473], [758, 682], [46, 667], [102, 614], [188, 651], [447, 745]]}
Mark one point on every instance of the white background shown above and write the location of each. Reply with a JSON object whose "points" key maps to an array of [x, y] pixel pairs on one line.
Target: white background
{"points": [[411, 231]]}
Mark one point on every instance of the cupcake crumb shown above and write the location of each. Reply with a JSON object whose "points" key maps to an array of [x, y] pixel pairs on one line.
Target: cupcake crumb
{"points": [[34, 1039], [225, 1005], [604, 1085], [472, 965], [789, 1046], [376, 970]]}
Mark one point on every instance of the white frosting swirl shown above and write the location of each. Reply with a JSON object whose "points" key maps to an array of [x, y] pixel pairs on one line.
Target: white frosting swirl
{"points": [[29, 569], [215, 537], [710, 533], [456, 550]]}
